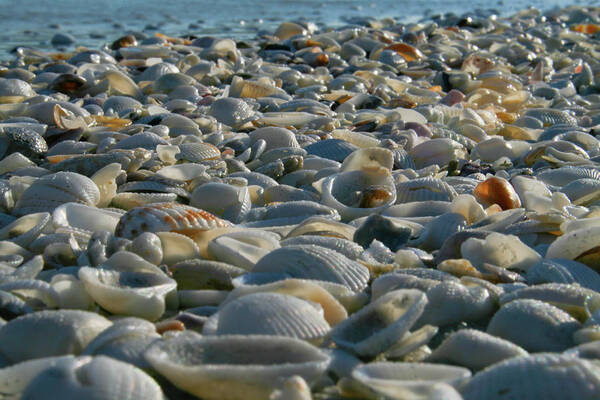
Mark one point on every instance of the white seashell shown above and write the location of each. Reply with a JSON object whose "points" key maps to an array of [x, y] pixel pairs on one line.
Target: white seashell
{"points": [[130, 200], [26, 229], [574, 243], [376, 327], [358, 193], [412, 380], [314, 262], [228, 201], [422, 189], [438, 230], [167, 153], [105, 180], [269, 314], [244, 248], [547, 376], [369, 159], [89, 377], [71, 292], [14, 161], [506, 251], [275, 137], [176, 247], [234, 367], [14, 379], [437, 151], [79, 216], [348, 248], [411, 341], [534, 325], [49, 333], [166, 217], [128, 290], [333, 311], [182, 172], [294, 388], [474, 349], [33, 291], [50, 191], [393, 281], [200, 298], [148, 246]]}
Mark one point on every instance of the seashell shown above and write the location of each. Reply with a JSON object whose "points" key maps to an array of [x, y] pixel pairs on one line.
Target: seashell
{"points": [[550, 376], [182, 172], [423, 189], [49, 333], [243, 248], [283, 193], [274, 137], [534, 325], [146, 140], [26, 229], [579, 245], [565, 175], [105, 180], [376, 327], [269, 314], [166, 217], [412, 380], [392, 235], [198, 152], [120, 84], [358, 193], [438, 151], [87, 376], [126, 340], [50, 191], [369, 159], [313, 262], [130, 200], [89, 164], [550, 116], [499, 191], [438, 230], [158, 184], [12, 306], [25, 140], [343, 246], [121, 105], [79, 216], [560, 270], [331, 149], [176, 248], [199, 274], [506, 251], [292, 212], [294, 387], [254, 89], [411, 342], [229, 201], [474, 349], [255, 178], [215, 374], [232, 112]]}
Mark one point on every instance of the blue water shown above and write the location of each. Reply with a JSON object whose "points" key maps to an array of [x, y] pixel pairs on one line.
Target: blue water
{"points": [[33, 22]]}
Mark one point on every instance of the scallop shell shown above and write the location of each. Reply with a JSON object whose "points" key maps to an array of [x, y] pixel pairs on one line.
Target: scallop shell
{"points": [[229, 201], [49, 333], [565, 175], [547, 376], [234, 367], [376, 327], [269, 314], [231, 111], [15, 378], [26, 229], [50, 191], [423, 189], [274, 137], [130, 200], [79, 216], [203, 274], [332, 149], [348, 248], [534, 325], [474, 349], [560, 270], [166, 217], [412, 380], [198, 152], [313, 262]]}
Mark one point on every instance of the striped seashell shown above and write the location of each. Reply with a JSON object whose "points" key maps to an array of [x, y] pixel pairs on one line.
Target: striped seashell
{"points": [[332, 149], [146, 140], [129, 200], [582, 191], [560, 270], [166, 217], [550, 116], [565, 175], [314, 262], [197, 152], [348, 248], [423, 189], [50, 191], [269, 314], [539, 376]]}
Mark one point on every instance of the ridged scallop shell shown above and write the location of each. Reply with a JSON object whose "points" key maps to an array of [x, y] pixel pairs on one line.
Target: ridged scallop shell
{"points": [[234, 367], [474, 349], [166, 217], [85, 377], [49, 333], [423, 189], [50, 191], [314, 262], [348, 248], [398, 380], [560, 270], [565, 175], [269, 314], [228, 201], [539, 376], [376, 327], [534, 325], [198, 152], [332, 149]]}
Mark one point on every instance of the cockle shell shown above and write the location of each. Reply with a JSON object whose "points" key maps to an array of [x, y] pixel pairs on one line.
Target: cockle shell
{"points": [[166, 217], [234, 367]]}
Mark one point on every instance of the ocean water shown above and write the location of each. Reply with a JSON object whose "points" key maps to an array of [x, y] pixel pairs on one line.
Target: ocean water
{"points": [[32, 23]]}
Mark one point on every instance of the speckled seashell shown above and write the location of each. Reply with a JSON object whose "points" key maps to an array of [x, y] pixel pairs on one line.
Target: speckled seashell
{"points": [[49, 333], [474, 349], [534, 325], [548, 376], [50, 191], [313, 262], [399, 380], [166, 217], [269, 314], [210, 367], [88, 376], [423, 189], [376, 327]]}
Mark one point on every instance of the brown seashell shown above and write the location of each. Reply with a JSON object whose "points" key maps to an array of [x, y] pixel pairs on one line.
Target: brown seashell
{"points": [[407, 52], [124, 41], [498, 191], [169, 325]]}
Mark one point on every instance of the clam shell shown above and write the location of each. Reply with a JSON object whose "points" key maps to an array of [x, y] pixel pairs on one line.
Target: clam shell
{"points": [[79, 216], [234, 367], [376, 327], [244, 248], [26, 229], [166, 217], [269, 314], [314, 262], [423, 189]]}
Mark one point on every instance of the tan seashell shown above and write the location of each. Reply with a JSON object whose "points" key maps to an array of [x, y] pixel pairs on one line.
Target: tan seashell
{"points": [[499, 191]]}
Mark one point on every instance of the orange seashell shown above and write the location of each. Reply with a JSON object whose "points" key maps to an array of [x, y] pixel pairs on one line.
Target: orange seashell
{"points": [[169, 325], [498, 191], [590, 29], [408, 52]]}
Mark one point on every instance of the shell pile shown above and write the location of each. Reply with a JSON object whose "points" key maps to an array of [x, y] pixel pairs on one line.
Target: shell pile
{"points": [[378, 211]]}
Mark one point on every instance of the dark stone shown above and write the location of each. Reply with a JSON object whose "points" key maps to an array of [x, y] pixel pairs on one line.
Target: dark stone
{"points": [[384, 230]]}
